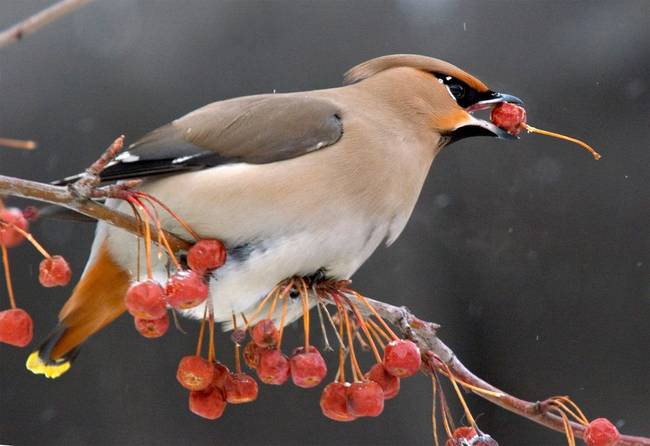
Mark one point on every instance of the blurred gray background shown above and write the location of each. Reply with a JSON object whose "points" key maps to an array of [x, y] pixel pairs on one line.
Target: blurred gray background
{"points": [[532, 256]]}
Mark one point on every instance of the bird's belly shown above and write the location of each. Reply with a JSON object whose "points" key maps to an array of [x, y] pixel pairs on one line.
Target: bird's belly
{"points": [[250, 274]]}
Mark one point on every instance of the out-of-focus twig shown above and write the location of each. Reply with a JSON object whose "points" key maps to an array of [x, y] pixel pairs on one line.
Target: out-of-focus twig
{"points": [[39, 20], [18, 143]]}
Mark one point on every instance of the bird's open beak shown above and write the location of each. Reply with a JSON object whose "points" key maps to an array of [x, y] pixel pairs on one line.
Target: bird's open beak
{"points": [[480, 127]]}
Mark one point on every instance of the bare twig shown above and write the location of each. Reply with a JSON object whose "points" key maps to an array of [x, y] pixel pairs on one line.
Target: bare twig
{"points": [[39, 20]]}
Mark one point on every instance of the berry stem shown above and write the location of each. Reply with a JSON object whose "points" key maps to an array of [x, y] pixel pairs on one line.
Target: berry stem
{"points": [[379, 330], [144, 213], [373, 311], [567, 410], [374, 334], [10, 287], [139, 223], [582, 144], [341, 372], [174, 215], [338, 333], [568, 430], [237, 346], [463, 403], [359, 318], [304, 297], [285, 303], [199, 344], [211, 353], [162, 238], [328, 346], [30, 238], [434, 421], [581, 418], [356, 370], [274, 302], [261, 305]]}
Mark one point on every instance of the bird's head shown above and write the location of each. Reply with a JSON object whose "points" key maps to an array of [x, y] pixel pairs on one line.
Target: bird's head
{"points": [[446, 95]]}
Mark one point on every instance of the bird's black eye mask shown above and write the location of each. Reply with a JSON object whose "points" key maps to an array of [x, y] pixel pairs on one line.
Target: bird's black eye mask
{"points": [[464, 95]]}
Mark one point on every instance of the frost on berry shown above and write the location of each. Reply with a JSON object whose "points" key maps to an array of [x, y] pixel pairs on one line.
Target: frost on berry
{"points": [[194, 373], [8, 235], [186, 289], [209, 403], [601, 432], [390, 384], [509, 117], [240, 388], [252, 354], [265, 333], [365, 399], [146, 300], [152, 328], [206, 255], [307, 368], [334, 402], [402, 358], [273, 367], [16, 327], [54, 271]]}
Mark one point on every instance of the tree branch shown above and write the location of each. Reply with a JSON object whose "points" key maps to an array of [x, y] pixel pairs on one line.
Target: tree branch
{"points": [[39, 20]]}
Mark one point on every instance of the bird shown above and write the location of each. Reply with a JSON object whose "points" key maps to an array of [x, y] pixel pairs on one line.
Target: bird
{"points": [[294, 184]]}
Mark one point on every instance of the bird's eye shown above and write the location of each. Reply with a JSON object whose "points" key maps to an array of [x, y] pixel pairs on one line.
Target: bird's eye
{"points": [[459, 90], [456, 90]]}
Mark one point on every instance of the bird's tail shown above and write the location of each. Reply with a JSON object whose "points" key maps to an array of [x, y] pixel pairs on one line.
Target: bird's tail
{"points": [[96, 301]]}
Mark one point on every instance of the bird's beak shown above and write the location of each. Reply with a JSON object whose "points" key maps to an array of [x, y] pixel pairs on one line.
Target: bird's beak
{"points": [[474, 126]]}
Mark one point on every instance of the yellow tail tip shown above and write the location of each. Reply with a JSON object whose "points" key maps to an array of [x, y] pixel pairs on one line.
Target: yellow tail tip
{"points": [[39, 367]]}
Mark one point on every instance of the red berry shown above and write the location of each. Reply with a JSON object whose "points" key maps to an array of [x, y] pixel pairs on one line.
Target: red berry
{"points": [[54, 271], [334, 402], [8, 235], [307, 368], [240, 388], [206, 255], [464, 432], [186, 289], [146, 300], [273, 367], [601, 432], [365, 399], [16, 327], [194, 373], [221, 372], [265, 333], [402, 358], [208, 403], [390, 384], [152, 328], [252, 354], [509, 117]]}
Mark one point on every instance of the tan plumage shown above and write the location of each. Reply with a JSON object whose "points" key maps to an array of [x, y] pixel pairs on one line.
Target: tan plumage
{"points": [[292, 183]]}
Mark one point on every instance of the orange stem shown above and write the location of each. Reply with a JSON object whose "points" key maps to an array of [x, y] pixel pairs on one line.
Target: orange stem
{"points": [[10, 287], [582, 144], [282, 320], [31, 239], [199, 344], [174, 215]]}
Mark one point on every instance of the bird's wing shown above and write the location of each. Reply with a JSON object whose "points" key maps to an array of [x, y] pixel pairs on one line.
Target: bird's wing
{"points": [[255, 129]]}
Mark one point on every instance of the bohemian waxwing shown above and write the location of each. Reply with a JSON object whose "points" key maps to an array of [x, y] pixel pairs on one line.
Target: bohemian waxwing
{"points": [[294, 184]]}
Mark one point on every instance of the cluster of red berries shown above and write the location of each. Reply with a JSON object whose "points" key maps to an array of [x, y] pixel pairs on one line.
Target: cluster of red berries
{"points": [[212, 386], [306, 366], [343, 401], [147, 300], [16, 326]]}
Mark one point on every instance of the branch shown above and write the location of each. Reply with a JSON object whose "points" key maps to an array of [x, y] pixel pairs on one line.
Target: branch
{"points": [[39, 20], [424, 334], [78, 197]]}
